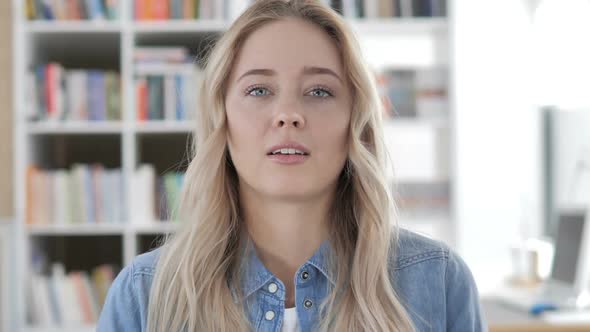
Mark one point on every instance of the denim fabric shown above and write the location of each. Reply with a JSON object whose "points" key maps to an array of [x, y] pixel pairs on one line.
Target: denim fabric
{"points": [[434, 284]]}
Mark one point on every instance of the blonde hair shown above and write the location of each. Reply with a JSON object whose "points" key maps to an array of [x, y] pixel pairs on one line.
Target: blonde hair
{"points": [[198, 265]]}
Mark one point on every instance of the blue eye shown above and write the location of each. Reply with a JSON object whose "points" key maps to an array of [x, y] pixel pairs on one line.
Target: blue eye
{"points": [[258, 91], [321, 93]]}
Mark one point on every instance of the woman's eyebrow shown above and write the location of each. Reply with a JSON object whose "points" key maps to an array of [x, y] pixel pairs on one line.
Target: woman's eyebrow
{"points": [[306, 71], [321, 71]]}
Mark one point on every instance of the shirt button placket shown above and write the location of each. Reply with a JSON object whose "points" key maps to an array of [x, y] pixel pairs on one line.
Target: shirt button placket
{"points": [[269, 315], [272, 287], [304, 275]]}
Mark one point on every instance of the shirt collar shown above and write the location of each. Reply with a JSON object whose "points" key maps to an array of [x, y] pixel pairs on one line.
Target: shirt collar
{"points": [[255, 275]]}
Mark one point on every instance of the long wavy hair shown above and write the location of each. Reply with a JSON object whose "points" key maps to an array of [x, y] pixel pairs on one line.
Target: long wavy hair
{"points": [[199, 264]]}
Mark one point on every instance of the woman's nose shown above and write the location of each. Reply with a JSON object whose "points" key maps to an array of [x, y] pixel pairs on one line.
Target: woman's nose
{"points": [[289, 116], [293, 120]]}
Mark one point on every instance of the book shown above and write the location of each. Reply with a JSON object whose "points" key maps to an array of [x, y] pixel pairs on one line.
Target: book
{"points": [[61, 10], [401, 91], [161, 54], [146, 10], [166, 83], [157, 194], [155, 84], [63, 299], [143, 203], [160, 10], [63, 95], [141, 93], [86, 193]]}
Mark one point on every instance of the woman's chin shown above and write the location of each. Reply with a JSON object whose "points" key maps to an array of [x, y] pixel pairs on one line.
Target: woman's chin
{"points": [[290, 191]]}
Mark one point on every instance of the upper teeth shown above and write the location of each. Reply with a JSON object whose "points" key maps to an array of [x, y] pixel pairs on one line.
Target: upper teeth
{"points": [[287, 151]]}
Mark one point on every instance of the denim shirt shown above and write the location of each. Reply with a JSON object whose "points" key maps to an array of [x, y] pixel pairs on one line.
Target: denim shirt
{"points": [[433, 283]]}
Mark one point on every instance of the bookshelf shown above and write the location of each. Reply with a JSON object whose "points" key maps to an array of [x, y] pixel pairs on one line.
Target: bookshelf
{"points": [[127, 143]]}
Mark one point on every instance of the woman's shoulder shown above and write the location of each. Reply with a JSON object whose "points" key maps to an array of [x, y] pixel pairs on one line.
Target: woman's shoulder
{"points": [[436, 284], [418, 253], [146, 263], [413, 248], [126, 303]]}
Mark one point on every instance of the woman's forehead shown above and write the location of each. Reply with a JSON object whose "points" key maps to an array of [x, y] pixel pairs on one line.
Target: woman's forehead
{"points": [[288, 45]]}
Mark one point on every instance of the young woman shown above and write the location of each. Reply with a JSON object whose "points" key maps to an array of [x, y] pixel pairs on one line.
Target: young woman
{"points": [[287, 219]]}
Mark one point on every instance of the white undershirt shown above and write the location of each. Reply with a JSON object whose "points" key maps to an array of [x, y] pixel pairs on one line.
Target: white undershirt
{"points": [[290, 323]]}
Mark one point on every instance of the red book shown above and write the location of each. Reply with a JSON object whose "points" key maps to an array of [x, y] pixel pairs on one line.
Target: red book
{"points": [[160, 9], [83, 297], [70, 9], [142, 100], [141, 10]]}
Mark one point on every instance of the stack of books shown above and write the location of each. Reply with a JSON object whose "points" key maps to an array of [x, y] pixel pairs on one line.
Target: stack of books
{"points": [[56, 94], [72, 9], [157, 196], [390, 8], [84, 194], [182, 9], [68, 299], [229, 9], [166, 84], [414, 93]]}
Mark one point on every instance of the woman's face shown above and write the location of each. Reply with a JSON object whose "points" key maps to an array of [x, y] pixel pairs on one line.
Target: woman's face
{"points": [[287, 92]]}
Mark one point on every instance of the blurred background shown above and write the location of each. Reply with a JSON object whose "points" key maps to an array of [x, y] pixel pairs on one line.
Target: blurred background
{"points": [[487, 120]]}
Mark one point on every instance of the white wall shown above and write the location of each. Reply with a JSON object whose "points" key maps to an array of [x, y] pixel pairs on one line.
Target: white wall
{"points": [[562, 50], [497, 133]]}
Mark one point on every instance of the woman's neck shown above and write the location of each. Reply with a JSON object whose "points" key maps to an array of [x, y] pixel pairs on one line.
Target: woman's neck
{"points": [[286, 233]]}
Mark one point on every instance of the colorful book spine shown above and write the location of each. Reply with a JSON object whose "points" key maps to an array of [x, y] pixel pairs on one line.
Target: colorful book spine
{"points": [[147, 10], [73, 95], [83, 194], [71, 10], [166, 83], [158, 196], [68, 299]]}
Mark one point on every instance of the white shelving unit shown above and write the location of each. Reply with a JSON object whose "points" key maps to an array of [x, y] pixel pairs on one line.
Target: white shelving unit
{"points": [[5, 250], [36, 42]]}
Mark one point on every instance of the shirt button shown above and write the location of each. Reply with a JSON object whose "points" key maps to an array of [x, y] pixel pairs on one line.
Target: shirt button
{"points": [[269, 315], [272, 287], [307, 303], [304, 275]]}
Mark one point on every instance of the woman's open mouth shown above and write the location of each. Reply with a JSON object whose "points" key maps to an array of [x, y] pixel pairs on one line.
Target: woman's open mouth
{"points": [[288, 156]]}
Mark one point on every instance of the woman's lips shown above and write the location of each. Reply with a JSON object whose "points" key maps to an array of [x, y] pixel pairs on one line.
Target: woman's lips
{"points": [[288, 159]]}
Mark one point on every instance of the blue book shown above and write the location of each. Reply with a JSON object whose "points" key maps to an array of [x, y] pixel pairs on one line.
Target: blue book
{"points": [[179, 181], [92, 97], [179, 97], [41, 97], [38, 7], [93, 9], [110, 9], [176, 9], [47, 10], [96, 96]]}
